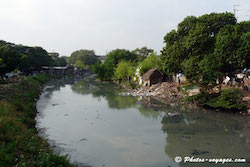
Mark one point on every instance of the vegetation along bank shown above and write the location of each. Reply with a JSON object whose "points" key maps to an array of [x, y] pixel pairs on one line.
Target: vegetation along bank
{"points": [[206, 59], [20, 146]]}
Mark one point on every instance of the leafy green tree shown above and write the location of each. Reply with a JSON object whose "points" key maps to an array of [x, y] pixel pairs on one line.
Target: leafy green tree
{"points": [[106, 70], [22, 57], [80, 64], [87, 57], [173, 54], [124, 70], [115, 56], [33, 58], [62, 61], [9, 59], [2, 65], [58, 61], [143, 53], [191, 49], [152, 61], [186, 25], [103, 71], [244, 51], [232, 49]]}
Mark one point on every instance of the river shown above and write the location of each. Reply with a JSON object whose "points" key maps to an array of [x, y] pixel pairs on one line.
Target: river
{"points": [[91, 123]]}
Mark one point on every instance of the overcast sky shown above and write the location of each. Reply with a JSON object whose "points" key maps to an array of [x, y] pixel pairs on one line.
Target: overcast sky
{"points": [[102, 25]]}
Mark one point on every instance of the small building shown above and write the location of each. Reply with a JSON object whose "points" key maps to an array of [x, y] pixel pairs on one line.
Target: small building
{"points": [[151, 77]]}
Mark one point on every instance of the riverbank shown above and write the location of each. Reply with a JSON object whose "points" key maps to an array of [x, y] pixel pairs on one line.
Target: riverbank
{"points": [[20, 146], [229, 99]]}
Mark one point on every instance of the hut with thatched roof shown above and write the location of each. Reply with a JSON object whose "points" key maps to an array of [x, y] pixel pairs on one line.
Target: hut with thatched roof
{"points": [[152, 76]]}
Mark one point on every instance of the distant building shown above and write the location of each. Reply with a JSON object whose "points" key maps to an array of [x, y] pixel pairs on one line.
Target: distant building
{"points": [[55, 70], [151, 77]]}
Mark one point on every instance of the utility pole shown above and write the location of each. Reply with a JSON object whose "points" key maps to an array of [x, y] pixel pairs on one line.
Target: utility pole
{"points": [[235, 10]]}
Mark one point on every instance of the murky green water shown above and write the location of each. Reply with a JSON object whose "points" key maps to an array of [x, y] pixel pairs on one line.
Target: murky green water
{"points": [[91, 123]]}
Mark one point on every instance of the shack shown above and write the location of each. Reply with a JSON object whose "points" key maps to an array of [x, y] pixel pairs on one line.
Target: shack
{"points": [[151, 77]]}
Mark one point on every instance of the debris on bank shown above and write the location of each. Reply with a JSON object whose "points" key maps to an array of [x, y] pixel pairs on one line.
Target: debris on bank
{"points": [[166, 91]]}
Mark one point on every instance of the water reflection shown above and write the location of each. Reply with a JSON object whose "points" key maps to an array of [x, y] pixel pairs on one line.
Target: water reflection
{"points": [[207, 135], [108, 90], [145, 133]]}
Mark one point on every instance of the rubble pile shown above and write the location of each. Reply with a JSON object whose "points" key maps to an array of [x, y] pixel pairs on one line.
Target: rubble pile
{"points": [[165, 90]]}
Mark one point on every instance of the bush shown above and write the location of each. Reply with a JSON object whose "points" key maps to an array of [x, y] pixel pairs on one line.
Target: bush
{"points": [[41, 78], [3, 81], [201, 98], [227, 99]]}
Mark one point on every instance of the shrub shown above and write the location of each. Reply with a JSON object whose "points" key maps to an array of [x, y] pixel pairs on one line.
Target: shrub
{"points": [[2, 81], [227, 99], [41, 78]]}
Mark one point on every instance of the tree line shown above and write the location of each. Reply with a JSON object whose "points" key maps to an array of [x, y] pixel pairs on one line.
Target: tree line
{"points": [[25, 58]]}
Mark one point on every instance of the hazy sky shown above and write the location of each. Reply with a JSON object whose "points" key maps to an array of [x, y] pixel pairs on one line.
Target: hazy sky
{"points": [[102, 25]]}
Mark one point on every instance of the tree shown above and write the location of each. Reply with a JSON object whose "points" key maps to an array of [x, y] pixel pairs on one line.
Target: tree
{"points": [[115, 56], [232, 49], [22, 57], [191, 49], [186, 25], [152, 61], [58, 61], [124, 70], [106, 70], [62, 61], [79, 64], [173, 54], [87, 57], [9, 59], [33, 58], [143, 53], [103, 71]]}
